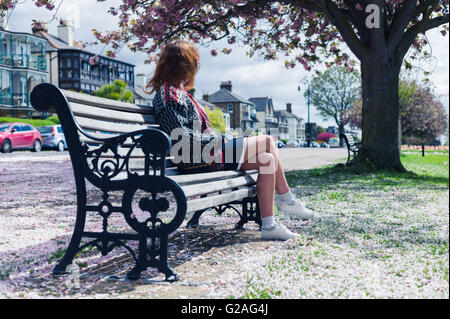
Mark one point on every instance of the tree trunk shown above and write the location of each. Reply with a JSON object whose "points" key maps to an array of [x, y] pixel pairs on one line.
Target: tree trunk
{"points": [[341, 131], [380, 144]]}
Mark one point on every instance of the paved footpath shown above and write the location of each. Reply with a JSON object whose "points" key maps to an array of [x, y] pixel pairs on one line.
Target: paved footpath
{"points": [[293, 158]]}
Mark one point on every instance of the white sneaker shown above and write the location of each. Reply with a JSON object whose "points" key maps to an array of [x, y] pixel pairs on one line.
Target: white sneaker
{"points": [[278, 232], [295, 208]]}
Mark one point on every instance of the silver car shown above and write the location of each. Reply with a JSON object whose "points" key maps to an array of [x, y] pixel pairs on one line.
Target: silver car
{"points": [[53, 137]]}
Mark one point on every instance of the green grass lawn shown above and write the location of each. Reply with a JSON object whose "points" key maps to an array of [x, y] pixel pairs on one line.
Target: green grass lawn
{"points": [[376, 234], [433, 166]]}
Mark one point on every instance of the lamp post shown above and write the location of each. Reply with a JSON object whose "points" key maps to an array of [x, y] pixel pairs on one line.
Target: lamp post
{"points": [[307, 126]]}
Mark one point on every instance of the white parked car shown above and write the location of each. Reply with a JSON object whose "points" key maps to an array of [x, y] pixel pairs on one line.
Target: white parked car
{"points": [[333, 142], [292, 144]]}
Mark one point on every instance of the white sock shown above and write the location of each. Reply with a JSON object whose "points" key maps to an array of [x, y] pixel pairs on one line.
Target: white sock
{"points": [[287, 196], [268, 222]]}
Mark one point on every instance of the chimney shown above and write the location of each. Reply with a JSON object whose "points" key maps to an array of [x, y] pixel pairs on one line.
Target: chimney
{"points": [[4, 19], [140, 80], [226, 85], [65, 31], [205, 97], [289, 107]]}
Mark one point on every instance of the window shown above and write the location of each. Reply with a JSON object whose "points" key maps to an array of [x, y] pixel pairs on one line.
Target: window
{"points": [[26, 128], [60, 129], [17, 128], [4, 127], [230, 108], [66, 86]]}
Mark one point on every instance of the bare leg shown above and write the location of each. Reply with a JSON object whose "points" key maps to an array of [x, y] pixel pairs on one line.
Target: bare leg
{"points": [[265, 144], [266, 182], [261, 154]]}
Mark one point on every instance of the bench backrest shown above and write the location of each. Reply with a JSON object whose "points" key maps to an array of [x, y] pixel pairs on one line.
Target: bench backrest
{"points": [[108, 116], [89, 122], [349, 139]]}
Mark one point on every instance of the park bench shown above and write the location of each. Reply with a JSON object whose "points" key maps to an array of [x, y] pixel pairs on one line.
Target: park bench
{"points": [[353, 147], [119, 149]]}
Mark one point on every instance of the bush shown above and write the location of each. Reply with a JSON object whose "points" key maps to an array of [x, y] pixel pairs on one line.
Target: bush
{"points": [[53, 118], [116, 91], [35, 123], [325, 137]]}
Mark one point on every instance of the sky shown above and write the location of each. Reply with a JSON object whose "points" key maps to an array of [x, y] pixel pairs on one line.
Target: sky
{"points": [[251, 77]]}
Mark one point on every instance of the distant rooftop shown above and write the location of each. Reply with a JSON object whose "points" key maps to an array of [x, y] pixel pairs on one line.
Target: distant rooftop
{"points": [[261, 103], [225, 96], [284, 113]]}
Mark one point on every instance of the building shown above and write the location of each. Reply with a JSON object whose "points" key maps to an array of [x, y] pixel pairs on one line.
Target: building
{"points": [[283, 125], [333, 130], [294, 124], [264, 113], [206, 104], [77, 69], [141, 97], [23, 65], [242, 111]]}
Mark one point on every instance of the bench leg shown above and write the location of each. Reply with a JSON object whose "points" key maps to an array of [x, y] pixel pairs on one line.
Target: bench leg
{"points": [[144, 262], [194, 222], [74, 245], [250, 212]]}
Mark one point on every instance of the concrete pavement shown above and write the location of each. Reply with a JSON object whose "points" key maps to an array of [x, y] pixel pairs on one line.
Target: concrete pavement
{"points": [[307, 158]]}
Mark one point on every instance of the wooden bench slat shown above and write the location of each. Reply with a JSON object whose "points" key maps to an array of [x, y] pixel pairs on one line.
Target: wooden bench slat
{"points": [[216, 186], [74, 97], [208, 177], [82, 110], [110, 127], [211, 201]]}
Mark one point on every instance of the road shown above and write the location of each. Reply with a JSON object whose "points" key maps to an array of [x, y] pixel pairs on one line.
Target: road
{"points": [[292, 158]]}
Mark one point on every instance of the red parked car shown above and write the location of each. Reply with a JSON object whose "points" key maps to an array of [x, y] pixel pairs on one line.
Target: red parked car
{"points": [[15, 136]]}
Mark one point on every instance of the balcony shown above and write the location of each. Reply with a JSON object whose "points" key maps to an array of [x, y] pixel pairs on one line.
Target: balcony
{"points": [[271, 120], [24, 61]]}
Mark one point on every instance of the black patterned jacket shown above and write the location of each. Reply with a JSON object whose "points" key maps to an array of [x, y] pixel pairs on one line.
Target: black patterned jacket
{"points": [[175, 109]]}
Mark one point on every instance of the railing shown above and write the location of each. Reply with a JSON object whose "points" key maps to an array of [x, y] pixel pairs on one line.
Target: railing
{"points": [[24, 61], [5, 98], [102, 79], [15, 99], [20, 99], [270, 119]]}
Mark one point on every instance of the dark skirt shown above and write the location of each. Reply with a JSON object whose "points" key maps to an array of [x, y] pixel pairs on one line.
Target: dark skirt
{"points": [[230, 159]]}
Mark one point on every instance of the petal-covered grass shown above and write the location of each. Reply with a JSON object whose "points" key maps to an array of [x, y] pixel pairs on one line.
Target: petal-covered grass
{"points": [[376, 235]]}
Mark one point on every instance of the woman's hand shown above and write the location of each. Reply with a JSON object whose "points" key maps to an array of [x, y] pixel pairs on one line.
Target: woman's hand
{"points": [[224, 139]]}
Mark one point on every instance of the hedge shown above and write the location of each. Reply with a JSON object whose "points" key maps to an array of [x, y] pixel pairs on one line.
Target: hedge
{"points": [[35, 123]]}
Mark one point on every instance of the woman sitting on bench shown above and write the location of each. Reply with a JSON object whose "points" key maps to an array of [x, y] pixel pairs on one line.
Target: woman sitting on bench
{"points": [[177, 110]]}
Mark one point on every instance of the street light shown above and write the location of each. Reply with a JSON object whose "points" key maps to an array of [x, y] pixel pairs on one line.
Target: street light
{"points": [[307, 126]]}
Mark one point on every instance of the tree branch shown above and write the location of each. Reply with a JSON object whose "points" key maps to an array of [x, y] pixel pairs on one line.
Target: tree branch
{"points": [[410, 35], [401, 21], [341, 21]]}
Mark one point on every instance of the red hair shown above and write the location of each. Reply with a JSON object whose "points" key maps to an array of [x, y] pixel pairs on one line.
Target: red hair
{"points": [[177, 65]]}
